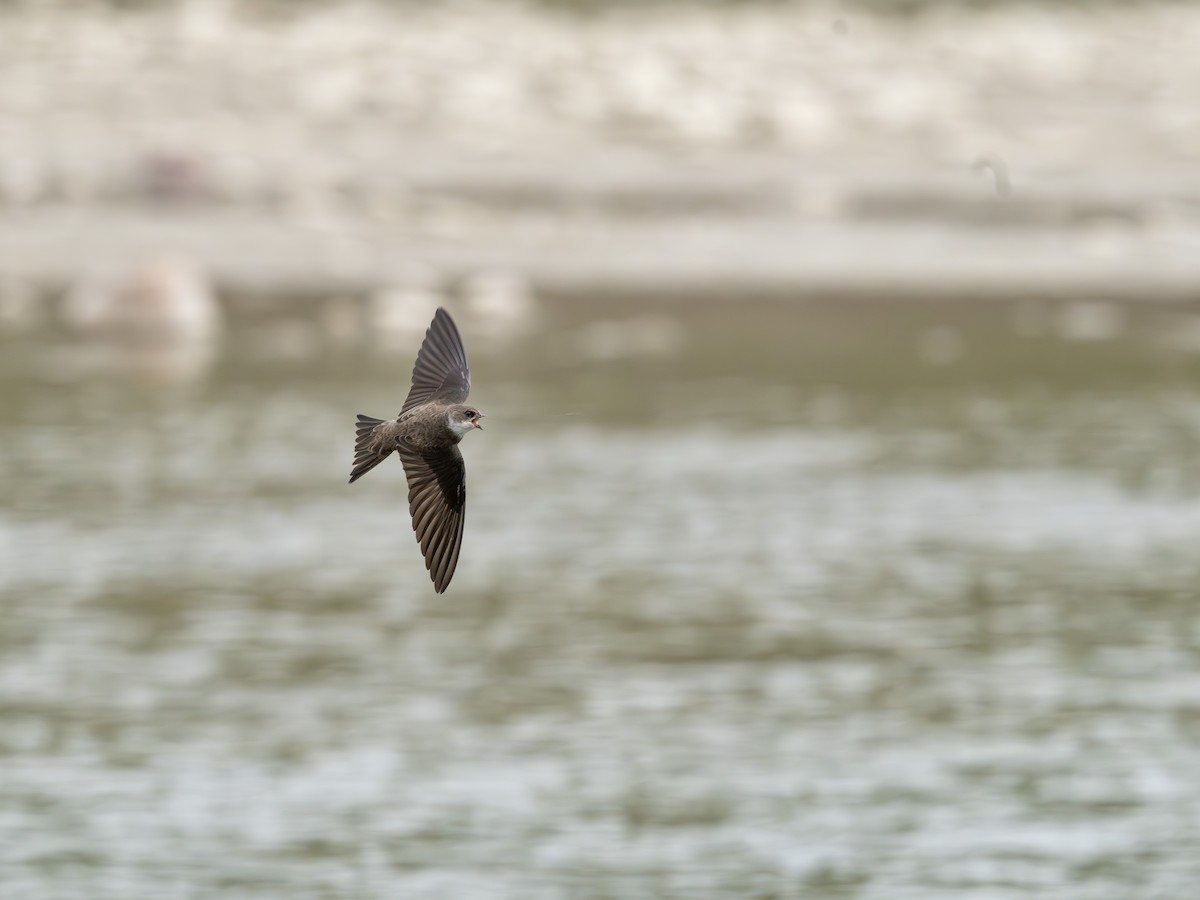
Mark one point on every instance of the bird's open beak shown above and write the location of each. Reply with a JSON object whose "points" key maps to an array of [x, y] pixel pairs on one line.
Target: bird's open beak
{"points": [[477, 425]]}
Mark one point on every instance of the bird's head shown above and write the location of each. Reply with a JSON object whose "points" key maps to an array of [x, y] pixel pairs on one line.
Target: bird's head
{"points": [[462, 419]]}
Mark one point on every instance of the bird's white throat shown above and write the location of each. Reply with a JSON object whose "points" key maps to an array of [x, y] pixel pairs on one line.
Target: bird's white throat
{"points": [[460, 427]]}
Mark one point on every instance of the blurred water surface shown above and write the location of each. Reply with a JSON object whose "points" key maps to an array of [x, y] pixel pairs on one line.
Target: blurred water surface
{"points": [[807, 607]]}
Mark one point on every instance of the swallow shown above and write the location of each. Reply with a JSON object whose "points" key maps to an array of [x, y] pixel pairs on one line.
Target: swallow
{"points": [[434, 418]]}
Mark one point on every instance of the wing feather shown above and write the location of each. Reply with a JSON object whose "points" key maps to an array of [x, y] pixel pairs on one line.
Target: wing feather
{"points": [[437, 500], [441, 371]]}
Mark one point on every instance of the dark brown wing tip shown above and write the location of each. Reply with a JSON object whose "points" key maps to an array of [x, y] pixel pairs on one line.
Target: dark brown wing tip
{"points": [[443, 320], [439, 546], [447, 560], [441, 583], [452, 353]]}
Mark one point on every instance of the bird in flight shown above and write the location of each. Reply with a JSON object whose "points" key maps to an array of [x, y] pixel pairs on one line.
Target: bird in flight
{"points": [[425, 435]]}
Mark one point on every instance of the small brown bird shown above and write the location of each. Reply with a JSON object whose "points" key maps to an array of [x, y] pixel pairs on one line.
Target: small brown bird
{"points": [[426, 435]]}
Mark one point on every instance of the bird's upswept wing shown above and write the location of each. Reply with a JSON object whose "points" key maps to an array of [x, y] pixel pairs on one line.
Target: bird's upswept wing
{"points": [[441, 371], [437, 499]]}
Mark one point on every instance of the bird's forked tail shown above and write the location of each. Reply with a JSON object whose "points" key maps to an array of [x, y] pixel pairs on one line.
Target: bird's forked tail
{"points": [[365, 457]]}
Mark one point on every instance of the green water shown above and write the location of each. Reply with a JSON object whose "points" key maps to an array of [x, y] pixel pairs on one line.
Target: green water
{"points": [[815, 607]]}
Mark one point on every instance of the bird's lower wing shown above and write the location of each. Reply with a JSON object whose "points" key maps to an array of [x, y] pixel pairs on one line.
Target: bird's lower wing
{"points": [[437, 499]]}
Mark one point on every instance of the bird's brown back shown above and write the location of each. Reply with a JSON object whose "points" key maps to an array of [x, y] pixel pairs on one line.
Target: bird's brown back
{"points": [[425, 427]]}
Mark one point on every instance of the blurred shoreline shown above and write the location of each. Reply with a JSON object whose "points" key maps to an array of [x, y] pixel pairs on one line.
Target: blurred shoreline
{"points": [[663, 151]]}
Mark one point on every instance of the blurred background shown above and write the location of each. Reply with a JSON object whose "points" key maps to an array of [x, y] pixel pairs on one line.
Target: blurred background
{"points": [[833, 532]]}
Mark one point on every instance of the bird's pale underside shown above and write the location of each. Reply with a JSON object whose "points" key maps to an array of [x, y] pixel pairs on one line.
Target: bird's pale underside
{"points": [[425, 435]]}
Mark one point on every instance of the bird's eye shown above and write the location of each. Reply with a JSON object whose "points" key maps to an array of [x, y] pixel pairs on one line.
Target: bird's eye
{"points": [[470, 413]]}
